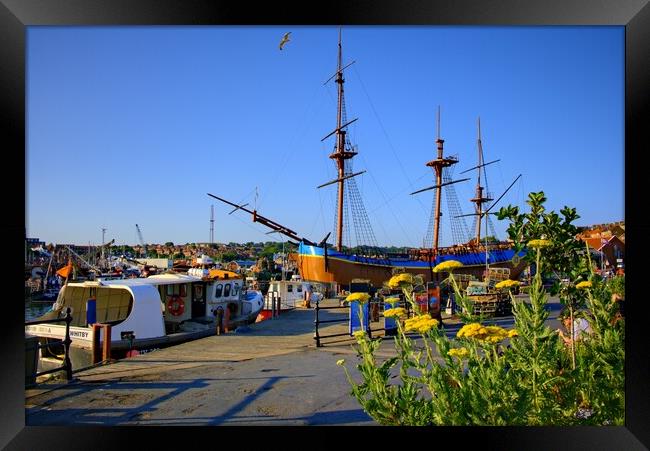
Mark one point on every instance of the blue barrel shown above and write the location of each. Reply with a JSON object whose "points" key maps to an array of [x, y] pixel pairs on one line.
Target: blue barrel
{"points": [[355, 318], [390, 324], [91, 311]]}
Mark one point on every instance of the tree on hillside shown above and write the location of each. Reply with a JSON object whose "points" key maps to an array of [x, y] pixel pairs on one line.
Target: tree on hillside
{"points": [[270, 249], [228, 256]]}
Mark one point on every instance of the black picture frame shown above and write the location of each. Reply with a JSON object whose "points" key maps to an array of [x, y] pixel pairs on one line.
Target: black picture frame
{"points": [[16, 15]]}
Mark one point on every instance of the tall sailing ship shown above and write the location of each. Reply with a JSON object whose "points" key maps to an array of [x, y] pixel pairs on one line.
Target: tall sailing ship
{"points": [[319, 263]]}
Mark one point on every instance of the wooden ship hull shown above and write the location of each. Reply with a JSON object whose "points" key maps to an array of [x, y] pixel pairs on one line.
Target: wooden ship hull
{"points": [[316, 265]]}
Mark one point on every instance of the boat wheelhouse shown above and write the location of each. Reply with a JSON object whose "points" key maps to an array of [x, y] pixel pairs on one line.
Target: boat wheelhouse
{"points": [[290, 293]]}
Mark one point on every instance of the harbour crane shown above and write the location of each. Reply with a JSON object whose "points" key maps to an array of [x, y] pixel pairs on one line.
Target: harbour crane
{"points": [[144, 246]]}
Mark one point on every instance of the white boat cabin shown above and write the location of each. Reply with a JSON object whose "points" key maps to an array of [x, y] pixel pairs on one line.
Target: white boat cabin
{"points": [[291, 293]]}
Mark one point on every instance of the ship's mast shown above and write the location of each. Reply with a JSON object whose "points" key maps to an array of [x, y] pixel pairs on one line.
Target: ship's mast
{"points": [[340, 154], [479, 198], [438, 164]]}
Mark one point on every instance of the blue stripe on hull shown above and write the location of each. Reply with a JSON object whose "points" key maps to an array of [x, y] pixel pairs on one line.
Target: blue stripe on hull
{"points": [[475, 258]]}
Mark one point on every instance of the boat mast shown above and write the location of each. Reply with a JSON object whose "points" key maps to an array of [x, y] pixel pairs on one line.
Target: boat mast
{"points": [[340, 155], [479, 198], [438, 164]]}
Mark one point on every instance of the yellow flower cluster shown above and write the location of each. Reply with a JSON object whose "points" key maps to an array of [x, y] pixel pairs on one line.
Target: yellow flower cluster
{"points": [[583, 284], [396, 280], [359, 333], [340, 362], [490, 334], [539, 243], [420, 323], [513, 333], [459, 352], [507, 284], [361, 297], [448, 265], [397, 311]]}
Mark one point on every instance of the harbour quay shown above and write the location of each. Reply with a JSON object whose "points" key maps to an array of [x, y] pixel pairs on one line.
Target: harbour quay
{"points": [[269, 373]]}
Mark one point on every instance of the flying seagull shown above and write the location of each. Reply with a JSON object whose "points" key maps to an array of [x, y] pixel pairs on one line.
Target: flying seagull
{"points": [[284, 40]]}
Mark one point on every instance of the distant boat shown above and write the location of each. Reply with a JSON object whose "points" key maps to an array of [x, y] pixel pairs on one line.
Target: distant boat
{"points": [[149, 313], [48, 295], [285, 295]]}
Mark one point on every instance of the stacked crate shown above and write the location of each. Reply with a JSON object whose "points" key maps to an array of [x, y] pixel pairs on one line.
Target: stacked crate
{"points": [[496, 275], [463, 280]]}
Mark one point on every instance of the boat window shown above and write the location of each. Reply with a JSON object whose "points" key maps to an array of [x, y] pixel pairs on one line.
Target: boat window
{"points": [[299, 288], [289, 288], [218, 291], [226, 290], [177, 290], [235, 289]]}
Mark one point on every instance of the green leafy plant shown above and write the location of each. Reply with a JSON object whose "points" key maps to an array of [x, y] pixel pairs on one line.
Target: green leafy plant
{"points": [[487, 375]]}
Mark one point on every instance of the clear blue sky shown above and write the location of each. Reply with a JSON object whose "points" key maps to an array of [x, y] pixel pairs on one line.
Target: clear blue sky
{"points": [[131, 125]]}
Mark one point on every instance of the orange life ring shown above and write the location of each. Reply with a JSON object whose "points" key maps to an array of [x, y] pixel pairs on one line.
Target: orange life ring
{"points": [[175, 305]]}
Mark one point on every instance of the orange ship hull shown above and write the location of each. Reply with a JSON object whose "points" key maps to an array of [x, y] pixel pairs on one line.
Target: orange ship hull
{"points": [[341, 269]]}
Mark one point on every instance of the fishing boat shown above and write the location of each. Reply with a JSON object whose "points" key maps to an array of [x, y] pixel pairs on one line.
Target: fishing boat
{"points": [[338, 266], [149, 313], [285, 295]]}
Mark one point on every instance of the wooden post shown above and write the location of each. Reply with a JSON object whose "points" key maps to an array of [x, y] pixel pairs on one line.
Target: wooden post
{"points": [[226, 318], [219, 316], [97, 353], [106, 348], [272, 304]]}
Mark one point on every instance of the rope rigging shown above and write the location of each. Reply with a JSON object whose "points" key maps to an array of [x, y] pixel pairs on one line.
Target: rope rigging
{"points": [[459, 230], [353, 203]]}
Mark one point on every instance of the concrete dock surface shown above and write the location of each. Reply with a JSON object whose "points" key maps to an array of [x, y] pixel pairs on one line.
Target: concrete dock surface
{"points": [[271, 373]]}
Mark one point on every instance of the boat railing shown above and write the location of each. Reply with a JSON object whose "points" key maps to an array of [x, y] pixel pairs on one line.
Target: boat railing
{"points": [[66, 340], [272, 302]]}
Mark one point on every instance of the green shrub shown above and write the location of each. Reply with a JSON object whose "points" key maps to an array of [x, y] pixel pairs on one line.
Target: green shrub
{"points": [[487, 375]]}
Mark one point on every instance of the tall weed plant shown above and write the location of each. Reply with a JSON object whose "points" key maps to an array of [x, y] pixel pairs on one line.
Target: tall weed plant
{"points": [[487, 375]]}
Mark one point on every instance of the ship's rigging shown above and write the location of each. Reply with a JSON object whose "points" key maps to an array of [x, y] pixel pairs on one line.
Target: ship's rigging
{"points": [[349, 201], [438, 165]]}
